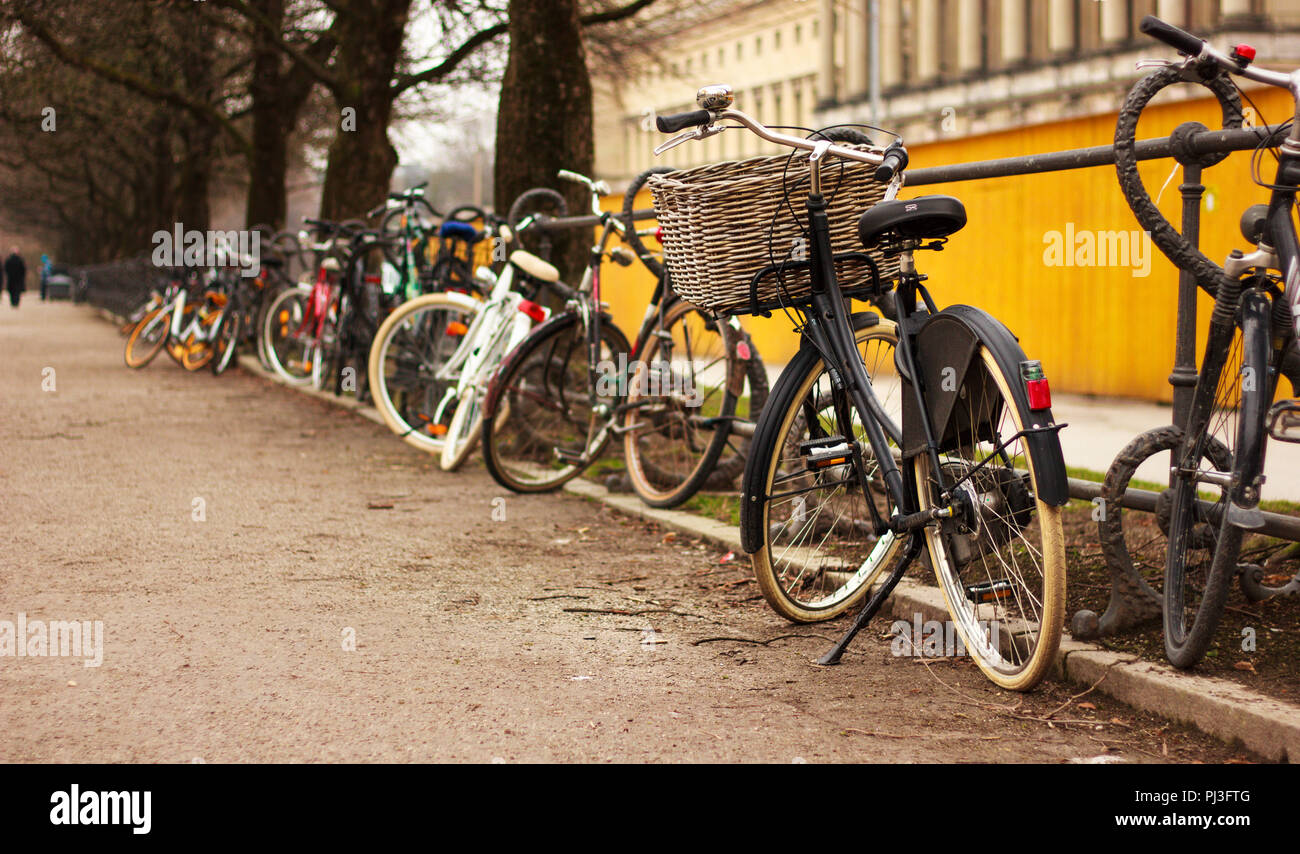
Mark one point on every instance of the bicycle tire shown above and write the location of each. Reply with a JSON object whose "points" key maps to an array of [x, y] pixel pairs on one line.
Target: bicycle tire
{"points": [[1036, 616], [398, 414], [1186, 645], [231, 320], [651, 261], [1170, 241], [661, 420], [536, 200], [517, 454], [151, 349], [278, 321], [799, 408]]}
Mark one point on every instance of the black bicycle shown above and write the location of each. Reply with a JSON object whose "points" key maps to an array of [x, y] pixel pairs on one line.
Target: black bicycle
{"points": [[1217, 462], [838, 494]]}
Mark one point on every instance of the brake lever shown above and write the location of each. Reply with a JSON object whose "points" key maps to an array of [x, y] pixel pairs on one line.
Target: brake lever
{"points": [[687, 136]]}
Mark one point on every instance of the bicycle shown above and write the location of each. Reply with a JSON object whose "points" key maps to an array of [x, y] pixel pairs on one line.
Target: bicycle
{"points": [[575, 383], [839, 495], [1217, 460], [186, 328], [433, 356], [300, 318]]}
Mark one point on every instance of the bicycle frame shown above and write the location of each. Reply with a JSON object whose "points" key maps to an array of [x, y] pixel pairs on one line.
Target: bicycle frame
{"points": [[501, 315]]}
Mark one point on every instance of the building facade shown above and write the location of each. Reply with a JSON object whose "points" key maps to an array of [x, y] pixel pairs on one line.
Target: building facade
{"points": [[943, 69]]}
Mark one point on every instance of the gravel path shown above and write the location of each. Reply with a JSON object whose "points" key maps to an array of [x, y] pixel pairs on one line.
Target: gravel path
{"points": [[233, 536]]}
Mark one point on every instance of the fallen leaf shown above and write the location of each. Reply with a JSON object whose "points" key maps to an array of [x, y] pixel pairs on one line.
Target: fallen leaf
{"points": [[1245, 665], [373, 506], [1092, 706], [670, 537]]}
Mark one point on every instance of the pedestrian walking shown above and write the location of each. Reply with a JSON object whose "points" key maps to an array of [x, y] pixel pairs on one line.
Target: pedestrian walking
{"points": [[46, 269], [15, 276]]}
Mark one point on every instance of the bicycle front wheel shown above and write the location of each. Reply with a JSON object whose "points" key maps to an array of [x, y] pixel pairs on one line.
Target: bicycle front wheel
{"points": [[681, 398], [1001, 565], [148, 337], [1204, 545], [540, 429], [803, 499], [288, 345], [409, 382]]}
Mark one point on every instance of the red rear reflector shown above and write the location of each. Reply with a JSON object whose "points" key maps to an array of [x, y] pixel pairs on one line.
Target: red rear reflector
{"points": [[1244, 51], [457, 328], [659, 234], [1040, 394], [533, 310], [743, 351]]}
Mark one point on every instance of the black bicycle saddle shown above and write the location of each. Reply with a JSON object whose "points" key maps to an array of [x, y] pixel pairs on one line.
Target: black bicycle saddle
{"points": [[922, 218]]}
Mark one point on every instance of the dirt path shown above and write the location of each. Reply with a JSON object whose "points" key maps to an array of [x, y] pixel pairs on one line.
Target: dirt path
{"points": [[477, 639]]}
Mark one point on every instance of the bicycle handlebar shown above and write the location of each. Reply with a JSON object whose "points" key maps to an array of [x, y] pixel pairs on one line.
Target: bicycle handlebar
{"points": [[1189, 44], [895, 161], [705, 123], [681, 121], [1179, 40]]}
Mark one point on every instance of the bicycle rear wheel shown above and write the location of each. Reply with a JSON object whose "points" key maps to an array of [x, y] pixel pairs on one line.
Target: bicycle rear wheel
{"points": [[803, 508], [1001, 565], [540, 429]]}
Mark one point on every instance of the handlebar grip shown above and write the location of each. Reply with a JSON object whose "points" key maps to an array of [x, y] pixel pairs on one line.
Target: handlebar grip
{"points": [[678, 121], [895, 161], [1179, 40]]}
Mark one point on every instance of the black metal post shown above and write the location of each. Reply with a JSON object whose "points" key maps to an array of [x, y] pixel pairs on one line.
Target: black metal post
{"points": [[1183, 378]]}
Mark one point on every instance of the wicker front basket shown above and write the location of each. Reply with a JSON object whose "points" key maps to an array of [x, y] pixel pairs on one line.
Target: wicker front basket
{"points": [[725, 222]]}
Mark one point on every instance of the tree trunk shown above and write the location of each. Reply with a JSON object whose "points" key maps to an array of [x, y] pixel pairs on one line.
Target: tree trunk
{"points": [[361, 158], [272, 124], [198, 135], [544, 118]]}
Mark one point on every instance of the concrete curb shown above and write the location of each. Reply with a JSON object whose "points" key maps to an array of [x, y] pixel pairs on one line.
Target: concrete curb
{"points": [[1221, 708]]}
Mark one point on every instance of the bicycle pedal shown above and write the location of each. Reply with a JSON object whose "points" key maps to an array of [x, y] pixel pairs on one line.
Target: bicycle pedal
{"points": [[989, 591], [1284, 421], [825, 452], [570, 457]]}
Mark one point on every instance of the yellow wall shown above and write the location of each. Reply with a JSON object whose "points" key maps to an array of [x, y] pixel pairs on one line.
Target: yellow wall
{"points": [[1097, 330]]}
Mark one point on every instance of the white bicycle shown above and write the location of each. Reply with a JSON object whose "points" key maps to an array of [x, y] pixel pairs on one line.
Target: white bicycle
{"points": [[434, 356]]}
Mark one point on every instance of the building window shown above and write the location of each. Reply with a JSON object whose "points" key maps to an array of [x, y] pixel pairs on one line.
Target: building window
{"points": [[721, 56], [704, 62], [688, 66], [758, 46], [776, 40], [740, 51], [798, 33], [815, 28]]}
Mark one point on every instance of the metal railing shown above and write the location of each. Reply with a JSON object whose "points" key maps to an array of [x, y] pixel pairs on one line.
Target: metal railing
{"points": [[118, 287]]}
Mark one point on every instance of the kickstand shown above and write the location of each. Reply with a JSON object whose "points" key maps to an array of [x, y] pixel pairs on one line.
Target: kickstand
{"points": [[877, 599]]}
